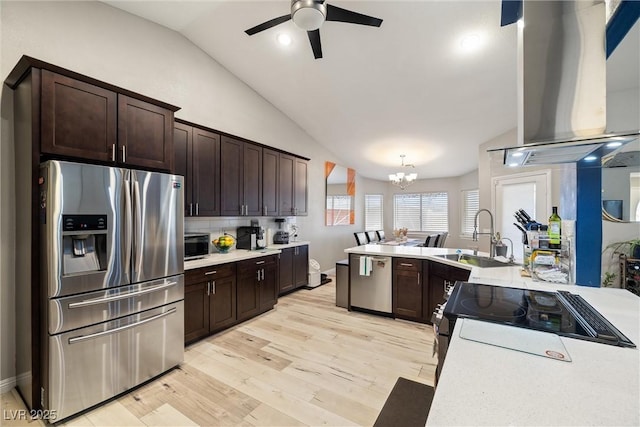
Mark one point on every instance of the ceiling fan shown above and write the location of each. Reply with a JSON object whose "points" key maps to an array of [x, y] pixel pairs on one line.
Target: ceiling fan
{"points": [[309, 15]]}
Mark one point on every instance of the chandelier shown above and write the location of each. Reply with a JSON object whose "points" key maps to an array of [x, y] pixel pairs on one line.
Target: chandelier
{"points": [[401, 179]]}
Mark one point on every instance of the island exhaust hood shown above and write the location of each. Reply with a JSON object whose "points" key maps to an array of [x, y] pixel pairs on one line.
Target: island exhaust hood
{"points": [[562, 85]]}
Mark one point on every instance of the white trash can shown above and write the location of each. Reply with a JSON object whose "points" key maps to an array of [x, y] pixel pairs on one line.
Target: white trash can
{"points": [[314, 273]]}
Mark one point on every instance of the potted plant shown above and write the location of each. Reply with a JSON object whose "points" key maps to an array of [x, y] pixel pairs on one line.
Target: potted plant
{"points": [[629, 248], [625, 249]]}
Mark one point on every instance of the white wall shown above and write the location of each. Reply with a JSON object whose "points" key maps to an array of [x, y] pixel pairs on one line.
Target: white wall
{"points": [[95, 39]]}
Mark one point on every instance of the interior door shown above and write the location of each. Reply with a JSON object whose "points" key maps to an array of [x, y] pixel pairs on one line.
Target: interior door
{"points": [[528, 191]]}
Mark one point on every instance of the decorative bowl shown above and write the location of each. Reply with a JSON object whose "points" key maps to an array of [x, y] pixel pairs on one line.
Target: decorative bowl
{"points": [[224, 243]]}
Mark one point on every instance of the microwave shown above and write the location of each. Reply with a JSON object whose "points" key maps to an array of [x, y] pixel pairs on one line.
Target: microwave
{"points": [[196, 245]]}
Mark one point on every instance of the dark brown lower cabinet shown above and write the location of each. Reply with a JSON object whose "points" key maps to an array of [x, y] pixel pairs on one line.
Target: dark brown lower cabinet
{"points": [[294, 268], [256, 286], [209, 300], [407, 288], [418, 286], [440, 276]]}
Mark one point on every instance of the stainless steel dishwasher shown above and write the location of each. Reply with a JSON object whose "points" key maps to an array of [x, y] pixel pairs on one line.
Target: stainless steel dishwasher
{"points": [[371, 290]]}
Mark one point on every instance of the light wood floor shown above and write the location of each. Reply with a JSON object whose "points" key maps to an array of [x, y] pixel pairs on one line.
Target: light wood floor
{"points": [[307, 362]]}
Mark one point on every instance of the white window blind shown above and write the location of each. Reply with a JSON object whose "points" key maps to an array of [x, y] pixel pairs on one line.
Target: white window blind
{"points": [[470, 205], [338, 208], [373, 212], [421, 211]]}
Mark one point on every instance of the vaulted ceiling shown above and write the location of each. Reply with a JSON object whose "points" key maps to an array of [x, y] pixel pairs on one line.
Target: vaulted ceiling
{"points": [[412, 86]]}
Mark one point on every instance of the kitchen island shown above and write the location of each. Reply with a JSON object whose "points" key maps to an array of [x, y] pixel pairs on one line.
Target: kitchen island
{"points": [[483, 384]]}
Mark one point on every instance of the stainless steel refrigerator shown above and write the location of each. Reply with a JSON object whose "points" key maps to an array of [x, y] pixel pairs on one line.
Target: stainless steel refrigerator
{"points": [[112, 281]]}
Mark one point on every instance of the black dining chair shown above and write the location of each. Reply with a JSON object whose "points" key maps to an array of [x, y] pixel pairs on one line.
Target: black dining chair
{"points": [[361, 238], [442, 239], [380, 234], [431, 241], [371, 236]]}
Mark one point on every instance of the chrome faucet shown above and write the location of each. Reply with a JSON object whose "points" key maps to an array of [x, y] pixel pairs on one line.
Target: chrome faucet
{"points": [[492, 240], [512, 259]]}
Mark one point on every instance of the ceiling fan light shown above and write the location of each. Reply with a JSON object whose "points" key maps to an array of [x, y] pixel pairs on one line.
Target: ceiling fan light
{"points": [[307, 14], [392, 177]]}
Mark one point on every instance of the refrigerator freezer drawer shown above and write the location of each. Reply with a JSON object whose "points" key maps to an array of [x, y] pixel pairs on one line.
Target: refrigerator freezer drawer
{"points": [[78, 311], [93, 364]]}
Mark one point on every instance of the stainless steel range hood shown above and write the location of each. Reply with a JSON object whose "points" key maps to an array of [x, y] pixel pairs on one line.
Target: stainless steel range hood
{"points": [[562, 85]]}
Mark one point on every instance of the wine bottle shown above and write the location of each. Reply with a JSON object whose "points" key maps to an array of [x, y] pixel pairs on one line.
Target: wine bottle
{"points": [[554, 229]]}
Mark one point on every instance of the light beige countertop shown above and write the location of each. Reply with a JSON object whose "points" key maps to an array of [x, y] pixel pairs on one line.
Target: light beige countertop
{"points": [[483, 384], [238, 255]]}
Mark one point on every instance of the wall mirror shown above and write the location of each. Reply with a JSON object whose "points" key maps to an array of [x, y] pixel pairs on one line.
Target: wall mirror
{"points": [[621, 184], [340, 190]]}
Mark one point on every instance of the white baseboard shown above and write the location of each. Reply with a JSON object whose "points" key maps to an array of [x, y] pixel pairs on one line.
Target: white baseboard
{"points": [[7, 384]]}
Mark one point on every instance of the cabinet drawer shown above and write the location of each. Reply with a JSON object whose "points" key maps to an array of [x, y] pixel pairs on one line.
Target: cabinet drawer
{"points": [[407, 264], [213, 272], [257, 262]]}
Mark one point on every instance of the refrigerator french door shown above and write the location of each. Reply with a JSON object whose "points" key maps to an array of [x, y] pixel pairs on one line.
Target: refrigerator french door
{"points": [[113, 287]]}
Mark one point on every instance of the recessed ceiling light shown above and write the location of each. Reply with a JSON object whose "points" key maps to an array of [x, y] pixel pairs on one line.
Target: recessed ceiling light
{"points": [[591, 158], [518, 154], [614, 144], [283, 39], [470, 42], [513, 165]]}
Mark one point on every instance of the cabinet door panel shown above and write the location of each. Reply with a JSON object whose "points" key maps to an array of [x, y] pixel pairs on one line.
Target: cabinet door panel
{"points": [[78, 119], [182, 161], [247, 302], [300, 187], [223, 303], [268, 287], [286, 270], [206, 172], [145, 134], [252, 179], [407, 292], [301, 266], [231, 168], [196, 312], [270, 182], [285, 184]]}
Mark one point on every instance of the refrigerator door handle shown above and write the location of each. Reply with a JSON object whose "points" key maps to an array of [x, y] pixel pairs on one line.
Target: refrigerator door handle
{"points": [[119, 297], [81, 338], [127, 228], [137, 231]]}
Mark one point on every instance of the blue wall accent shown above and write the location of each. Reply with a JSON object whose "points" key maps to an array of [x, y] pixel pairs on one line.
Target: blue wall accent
{"points": [[588, 224], [620, 23], [511, 12]]}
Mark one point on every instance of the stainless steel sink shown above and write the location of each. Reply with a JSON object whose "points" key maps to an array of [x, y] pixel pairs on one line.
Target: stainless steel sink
{"points": [[476, 260]]}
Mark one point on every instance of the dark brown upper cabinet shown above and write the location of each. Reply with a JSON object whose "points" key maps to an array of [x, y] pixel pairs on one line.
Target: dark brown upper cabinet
{"points": [[240, 178], [145, 134], [78, 119], [292, 185], [82, 118], [270, 169], [197, 158]]}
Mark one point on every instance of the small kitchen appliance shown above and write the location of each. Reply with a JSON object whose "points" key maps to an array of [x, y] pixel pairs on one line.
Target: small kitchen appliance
{"points": [[281, 237], [247, 237], [196, 245]]}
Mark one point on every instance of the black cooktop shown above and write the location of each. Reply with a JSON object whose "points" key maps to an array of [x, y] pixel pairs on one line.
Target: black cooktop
{"points": [[559, 312]]}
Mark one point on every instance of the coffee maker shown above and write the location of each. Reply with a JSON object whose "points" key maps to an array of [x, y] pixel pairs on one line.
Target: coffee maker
{"points": [[251, 237]]}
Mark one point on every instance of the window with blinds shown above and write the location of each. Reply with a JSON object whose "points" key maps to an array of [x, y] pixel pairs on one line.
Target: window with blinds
{"points": [[337, 210], [373, 212], [427, 212], [470, 206]]}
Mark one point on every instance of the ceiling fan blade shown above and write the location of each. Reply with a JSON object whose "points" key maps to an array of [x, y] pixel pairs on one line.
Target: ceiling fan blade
{"points": [[338, 14], [314, 38], [266, 25]]}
